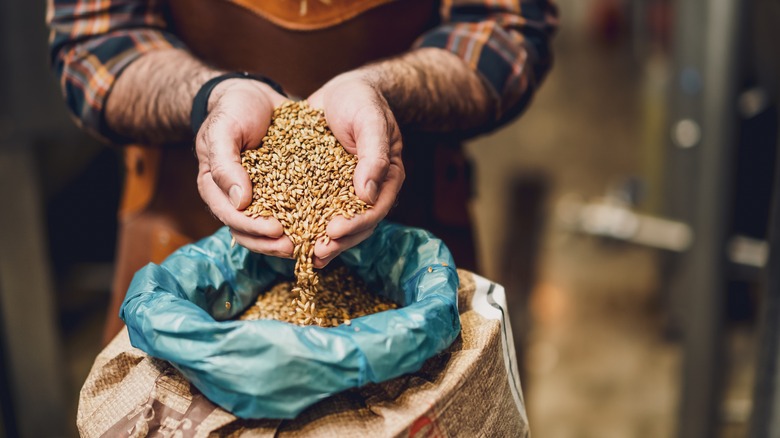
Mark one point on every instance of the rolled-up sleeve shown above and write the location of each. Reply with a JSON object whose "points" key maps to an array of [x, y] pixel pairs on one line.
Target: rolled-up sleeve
{"points": [[92, 41], [506, 42]]}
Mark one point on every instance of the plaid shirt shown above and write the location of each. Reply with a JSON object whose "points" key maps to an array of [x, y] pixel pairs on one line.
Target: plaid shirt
{"points": [[92, 41]]}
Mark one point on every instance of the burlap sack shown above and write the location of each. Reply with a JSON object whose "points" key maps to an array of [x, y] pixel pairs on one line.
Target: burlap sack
{"points": [[471, 389]]}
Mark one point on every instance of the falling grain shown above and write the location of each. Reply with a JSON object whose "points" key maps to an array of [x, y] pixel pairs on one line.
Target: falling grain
{"points": [[302, 176], [341, 297]]}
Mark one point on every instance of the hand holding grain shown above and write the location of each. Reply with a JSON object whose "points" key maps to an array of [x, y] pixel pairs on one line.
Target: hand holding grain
{"points": [[239, 115], [363, 123], [302, 177]]}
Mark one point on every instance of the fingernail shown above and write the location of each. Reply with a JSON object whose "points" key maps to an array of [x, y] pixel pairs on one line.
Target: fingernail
{"points": [[235, 193], [373, 191]]}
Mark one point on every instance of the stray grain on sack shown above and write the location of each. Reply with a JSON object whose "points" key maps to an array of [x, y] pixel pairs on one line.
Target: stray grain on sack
{"points": [[302, 176]]}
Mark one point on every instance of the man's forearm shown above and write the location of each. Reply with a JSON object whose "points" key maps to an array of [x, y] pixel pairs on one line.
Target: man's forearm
{"points": [[151, 100], [432, 90], [428, 89]]}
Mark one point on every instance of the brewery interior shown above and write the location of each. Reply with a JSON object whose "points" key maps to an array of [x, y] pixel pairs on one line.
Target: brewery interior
{"points": [[629, 213]]}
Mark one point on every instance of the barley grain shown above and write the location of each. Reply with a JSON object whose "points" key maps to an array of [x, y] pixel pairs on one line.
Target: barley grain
{"points": [[341, 297], [302, 176]]}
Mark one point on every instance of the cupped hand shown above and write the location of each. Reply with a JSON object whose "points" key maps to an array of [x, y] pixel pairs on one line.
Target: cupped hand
{"points": [[363, 123], [239, 116]]}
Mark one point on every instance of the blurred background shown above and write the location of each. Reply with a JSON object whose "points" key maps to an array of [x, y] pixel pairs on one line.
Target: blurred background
{"points": [[627, 213]]}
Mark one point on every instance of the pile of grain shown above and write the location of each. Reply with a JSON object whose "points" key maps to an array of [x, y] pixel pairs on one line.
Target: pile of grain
{"points": [[340, 297], [302, 176]]}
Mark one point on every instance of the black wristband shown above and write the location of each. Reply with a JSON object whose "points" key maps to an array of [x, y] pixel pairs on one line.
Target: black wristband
{"points": [[200, 104]]}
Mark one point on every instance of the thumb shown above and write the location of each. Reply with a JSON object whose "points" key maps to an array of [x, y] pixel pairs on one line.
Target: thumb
{"points": [[373, 152], [223, 141]]}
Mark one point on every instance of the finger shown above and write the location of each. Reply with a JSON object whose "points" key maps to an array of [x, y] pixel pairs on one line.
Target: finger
{"points": [[372, 141], [325, 253], [276, 99], [340, 227], [278, 247], [221, 208], [223, 140], [315, 100]]}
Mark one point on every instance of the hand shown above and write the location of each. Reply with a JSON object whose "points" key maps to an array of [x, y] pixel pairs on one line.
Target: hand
{"points": [[363, 123], [239, 115]]}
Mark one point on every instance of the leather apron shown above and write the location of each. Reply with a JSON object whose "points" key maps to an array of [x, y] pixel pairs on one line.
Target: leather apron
{"points": [[301, 44]]}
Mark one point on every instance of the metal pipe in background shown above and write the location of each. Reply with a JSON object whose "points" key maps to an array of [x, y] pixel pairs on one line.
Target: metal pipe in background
{"points": [[709, 33], [28, 314], [765, 415], [32, 112]]}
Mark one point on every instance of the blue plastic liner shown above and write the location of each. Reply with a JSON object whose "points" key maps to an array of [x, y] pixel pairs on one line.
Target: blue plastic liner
{"points": [[269, 369]]}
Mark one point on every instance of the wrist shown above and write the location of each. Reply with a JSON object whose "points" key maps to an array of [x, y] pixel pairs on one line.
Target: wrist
{"points": [[374, 75], [431, 89], [254, 89], [206, 99], [392, 79]]}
